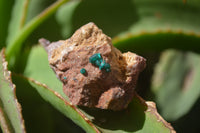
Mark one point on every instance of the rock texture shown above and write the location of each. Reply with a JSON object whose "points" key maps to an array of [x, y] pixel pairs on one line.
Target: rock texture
{"points": [[96, 88]]}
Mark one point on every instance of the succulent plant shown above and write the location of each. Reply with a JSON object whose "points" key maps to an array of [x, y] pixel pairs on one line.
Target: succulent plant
{"points": [[32, 98]]}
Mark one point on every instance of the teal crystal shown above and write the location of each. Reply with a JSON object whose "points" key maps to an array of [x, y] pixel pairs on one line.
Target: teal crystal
{"points": [[97, 63], [97, 60], [102, 65], [65, 78], [105, 66], [83, 71], [108, 70], [94, 58]]}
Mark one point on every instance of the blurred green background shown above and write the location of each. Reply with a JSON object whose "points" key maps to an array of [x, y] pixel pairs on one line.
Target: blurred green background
{"points": [[166, 33]]}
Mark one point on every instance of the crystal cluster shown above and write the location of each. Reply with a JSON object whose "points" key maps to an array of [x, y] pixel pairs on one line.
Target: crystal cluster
{"points": [[97, 60]]}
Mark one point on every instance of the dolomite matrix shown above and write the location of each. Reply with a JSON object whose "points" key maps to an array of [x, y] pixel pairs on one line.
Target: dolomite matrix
{"points": [[94, 73]]}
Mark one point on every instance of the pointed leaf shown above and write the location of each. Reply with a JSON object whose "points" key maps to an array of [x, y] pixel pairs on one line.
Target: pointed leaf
{"points": [[15, 45], [64, 106], [36, 7], [17, 19], [176, 83], [38, 68], [37, 112], [10, 110]]}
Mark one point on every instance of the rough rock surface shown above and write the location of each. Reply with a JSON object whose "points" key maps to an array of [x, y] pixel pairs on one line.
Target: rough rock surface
{"points": [[97, 88]]}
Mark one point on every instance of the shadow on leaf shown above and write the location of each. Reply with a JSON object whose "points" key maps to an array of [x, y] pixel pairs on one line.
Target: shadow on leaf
{"points": [[130, 120]]}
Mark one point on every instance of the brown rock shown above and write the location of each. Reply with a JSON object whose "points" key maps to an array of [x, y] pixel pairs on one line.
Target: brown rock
{"points": [[97, 88]]}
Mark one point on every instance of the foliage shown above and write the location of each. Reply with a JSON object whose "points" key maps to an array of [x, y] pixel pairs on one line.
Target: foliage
{"points": [[147, 27]]}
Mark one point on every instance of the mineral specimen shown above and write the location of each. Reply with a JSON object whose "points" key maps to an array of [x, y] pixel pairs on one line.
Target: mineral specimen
{"points": [[111, 76]]}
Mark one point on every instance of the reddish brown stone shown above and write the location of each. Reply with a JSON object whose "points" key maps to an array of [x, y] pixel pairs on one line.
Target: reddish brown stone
{"points": [[97, 88]]}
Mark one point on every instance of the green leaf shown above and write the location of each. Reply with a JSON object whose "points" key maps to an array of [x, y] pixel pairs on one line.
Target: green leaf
{"points": [[158, 41], [166, 15], [140, 25], [161, 25], [64, 106], [10, 110], [64, 15], [36, 7], [139, 117], [5, 13], [15, 44], [176, 83], [43, 30], [37, 112], [17, 19], [38, 68]]}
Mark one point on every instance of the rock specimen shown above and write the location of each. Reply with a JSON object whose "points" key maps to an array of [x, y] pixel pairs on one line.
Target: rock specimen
{"points": [[94, 73]]}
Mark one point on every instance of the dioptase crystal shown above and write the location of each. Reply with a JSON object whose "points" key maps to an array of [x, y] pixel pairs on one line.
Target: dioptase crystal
{"points": [[99, 55], [108, 70], [102, 65], [97, 60], [105, 66], [65, 78], [83, 71], [97, 63], [95, 57]]}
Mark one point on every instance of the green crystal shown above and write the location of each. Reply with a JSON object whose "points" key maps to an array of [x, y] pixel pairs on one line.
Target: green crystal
{"points": [[65, 78], [97, 63], [94, 58], [83, 71], [97, 60], [108, 70], [105, 66], [102, 65]]}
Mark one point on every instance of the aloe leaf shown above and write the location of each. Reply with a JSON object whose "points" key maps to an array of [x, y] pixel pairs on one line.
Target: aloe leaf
{"points": [[5, 13], [10, 110], [158, 41], [17, 19], [176, 83], [163, 25], [15, 44], [44, 30], [138, 24], [42, 113], [166, 15], [139, 117], [64, 106], [38, 69], [36, 7]]}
